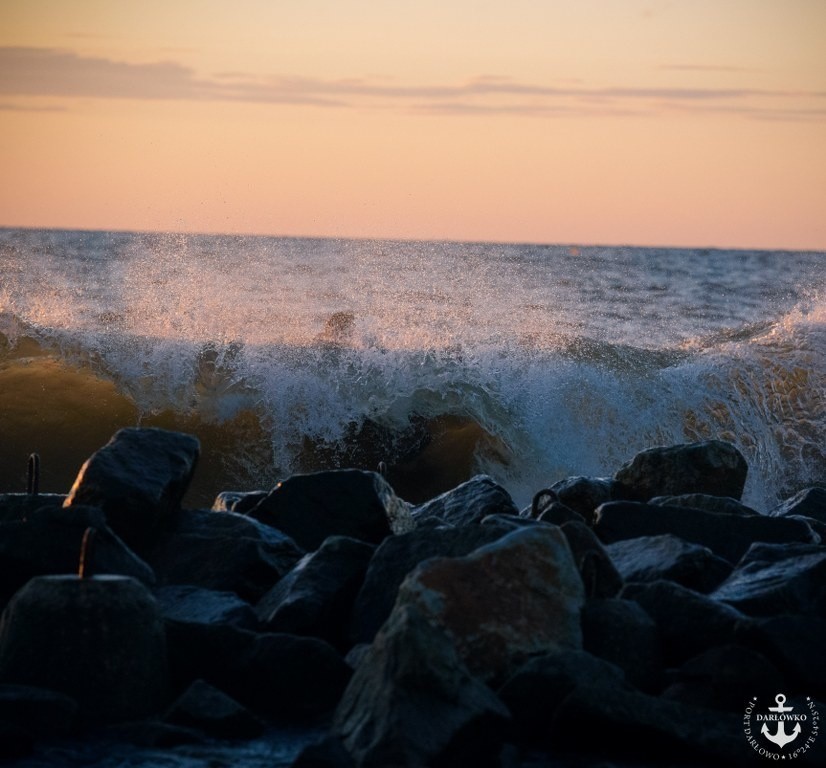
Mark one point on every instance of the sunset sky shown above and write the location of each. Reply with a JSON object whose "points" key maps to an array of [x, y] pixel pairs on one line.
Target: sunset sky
{"points": [[667, 122]]}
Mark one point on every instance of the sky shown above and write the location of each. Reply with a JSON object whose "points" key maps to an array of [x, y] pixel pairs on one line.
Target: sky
{"points": [[697, 123]]}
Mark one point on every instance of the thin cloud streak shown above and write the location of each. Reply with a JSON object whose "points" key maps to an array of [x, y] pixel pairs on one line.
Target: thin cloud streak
{"points": [[63, 73]]}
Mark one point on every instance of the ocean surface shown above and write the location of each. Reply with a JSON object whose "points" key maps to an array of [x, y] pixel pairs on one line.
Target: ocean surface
{"points": [[527, 362]]}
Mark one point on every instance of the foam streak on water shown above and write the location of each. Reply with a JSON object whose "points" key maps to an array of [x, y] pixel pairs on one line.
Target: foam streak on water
{"points": [[443, 359]]}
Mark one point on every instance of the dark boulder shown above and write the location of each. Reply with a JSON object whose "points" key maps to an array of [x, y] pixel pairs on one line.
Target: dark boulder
{"points": [[138, 479], [810, 502], [728, 536], [773, 579], [207, 709], [316, 596], [585, 494], [39, 713], [705, 502], [689, 623], [712, 467], [468, 503], [327, 753], [18, 506], [99, 640], [557, 513], [651, 558], [399, 555], [346, 502], [151, 734], [599, 575], [205, 606], [412, 702]]}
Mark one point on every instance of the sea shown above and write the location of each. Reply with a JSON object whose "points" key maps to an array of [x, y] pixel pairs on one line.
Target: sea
{"points": [[439, 360]]}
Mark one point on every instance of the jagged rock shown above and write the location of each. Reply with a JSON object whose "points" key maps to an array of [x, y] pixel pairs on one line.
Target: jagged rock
{"points": [[49, 543], [346, 502], [651, 558], [558, 514], [517, 597], [810, 502], [138, 479], [103, 644], [778, 578], [277, 675], [205, 606], [412, 702], [705, 502], [718, 678], [317, 595], [397, 556], [239, 502], [468, 503], [689, 623], [712, 467], [585, 494], [205, 708], [538, 687], [511, 522], [18, 506], [39, 713], [599, 576], [327, 753], [728, 536], [621, 632]]}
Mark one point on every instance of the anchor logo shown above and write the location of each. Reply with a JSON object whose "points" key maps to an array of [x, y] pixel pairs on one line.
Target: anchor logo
{"points": [[781, 738]]}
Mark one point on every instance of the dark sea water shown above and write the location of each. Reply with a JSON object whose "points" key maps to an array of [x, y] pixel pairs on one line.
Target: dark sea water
{"points": [[529, 363]]}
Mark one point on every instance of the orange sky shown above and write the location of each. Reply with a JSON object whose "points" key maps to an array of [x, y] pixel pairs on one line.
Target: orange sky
{"points": [[670, 122]]}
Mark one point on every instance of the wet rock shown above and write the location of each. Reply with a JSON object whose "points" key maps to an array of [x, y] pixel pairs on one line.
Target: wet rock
{"points": [[585, 494], [718, 679], [599, 575], [18, 506], [39, 713], [327, 753], [558, 514], [412, 702], [651, 558], [397, 556], [275, 675], [468, 503], [347, 502], [622, 633], [772, 579], [534, 692], [316, 597], [205, 606], [689, 623], [712, 467], [239, 502], [153, 734], [704, 501], [205, 708], [104, 645], [728, 536], [517, 597], [511, 522], [138, 479], [810, 502]]}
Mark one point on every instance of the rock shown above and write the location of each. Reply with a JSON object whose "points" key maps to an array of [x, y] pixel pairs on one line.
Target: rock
{"points": [[622, 633], [18, 506], [538, 687], [138, 479], [397, 556], [558, 514], [517, 597], [774, 578], [511, 522], [718, 678], [205, 708], [104, 644], [712, 467], [205, 606], [39, 713], [316, 597], [327, 753], [468, 503], [346, 502], [705, 502], [599, 576], [585, 494], [810, 502], [239, 502], [728, 536], [49, 543], [651, 558], [276, 675], [412, 702], [153, 734], [689, 623]]}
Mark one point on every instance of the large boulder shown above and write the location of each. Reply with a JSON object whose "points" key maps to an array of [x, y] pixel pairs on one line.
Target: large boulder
{"points": [[599, 575], [412, 702], [397, 556], [99, 640], [468, 503], [585, 494], [205, 606], [347, 502], [509, 600], [706, 502], [810, 502], [138, 479], [712, 467], [207, 709], [18, 506]]}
